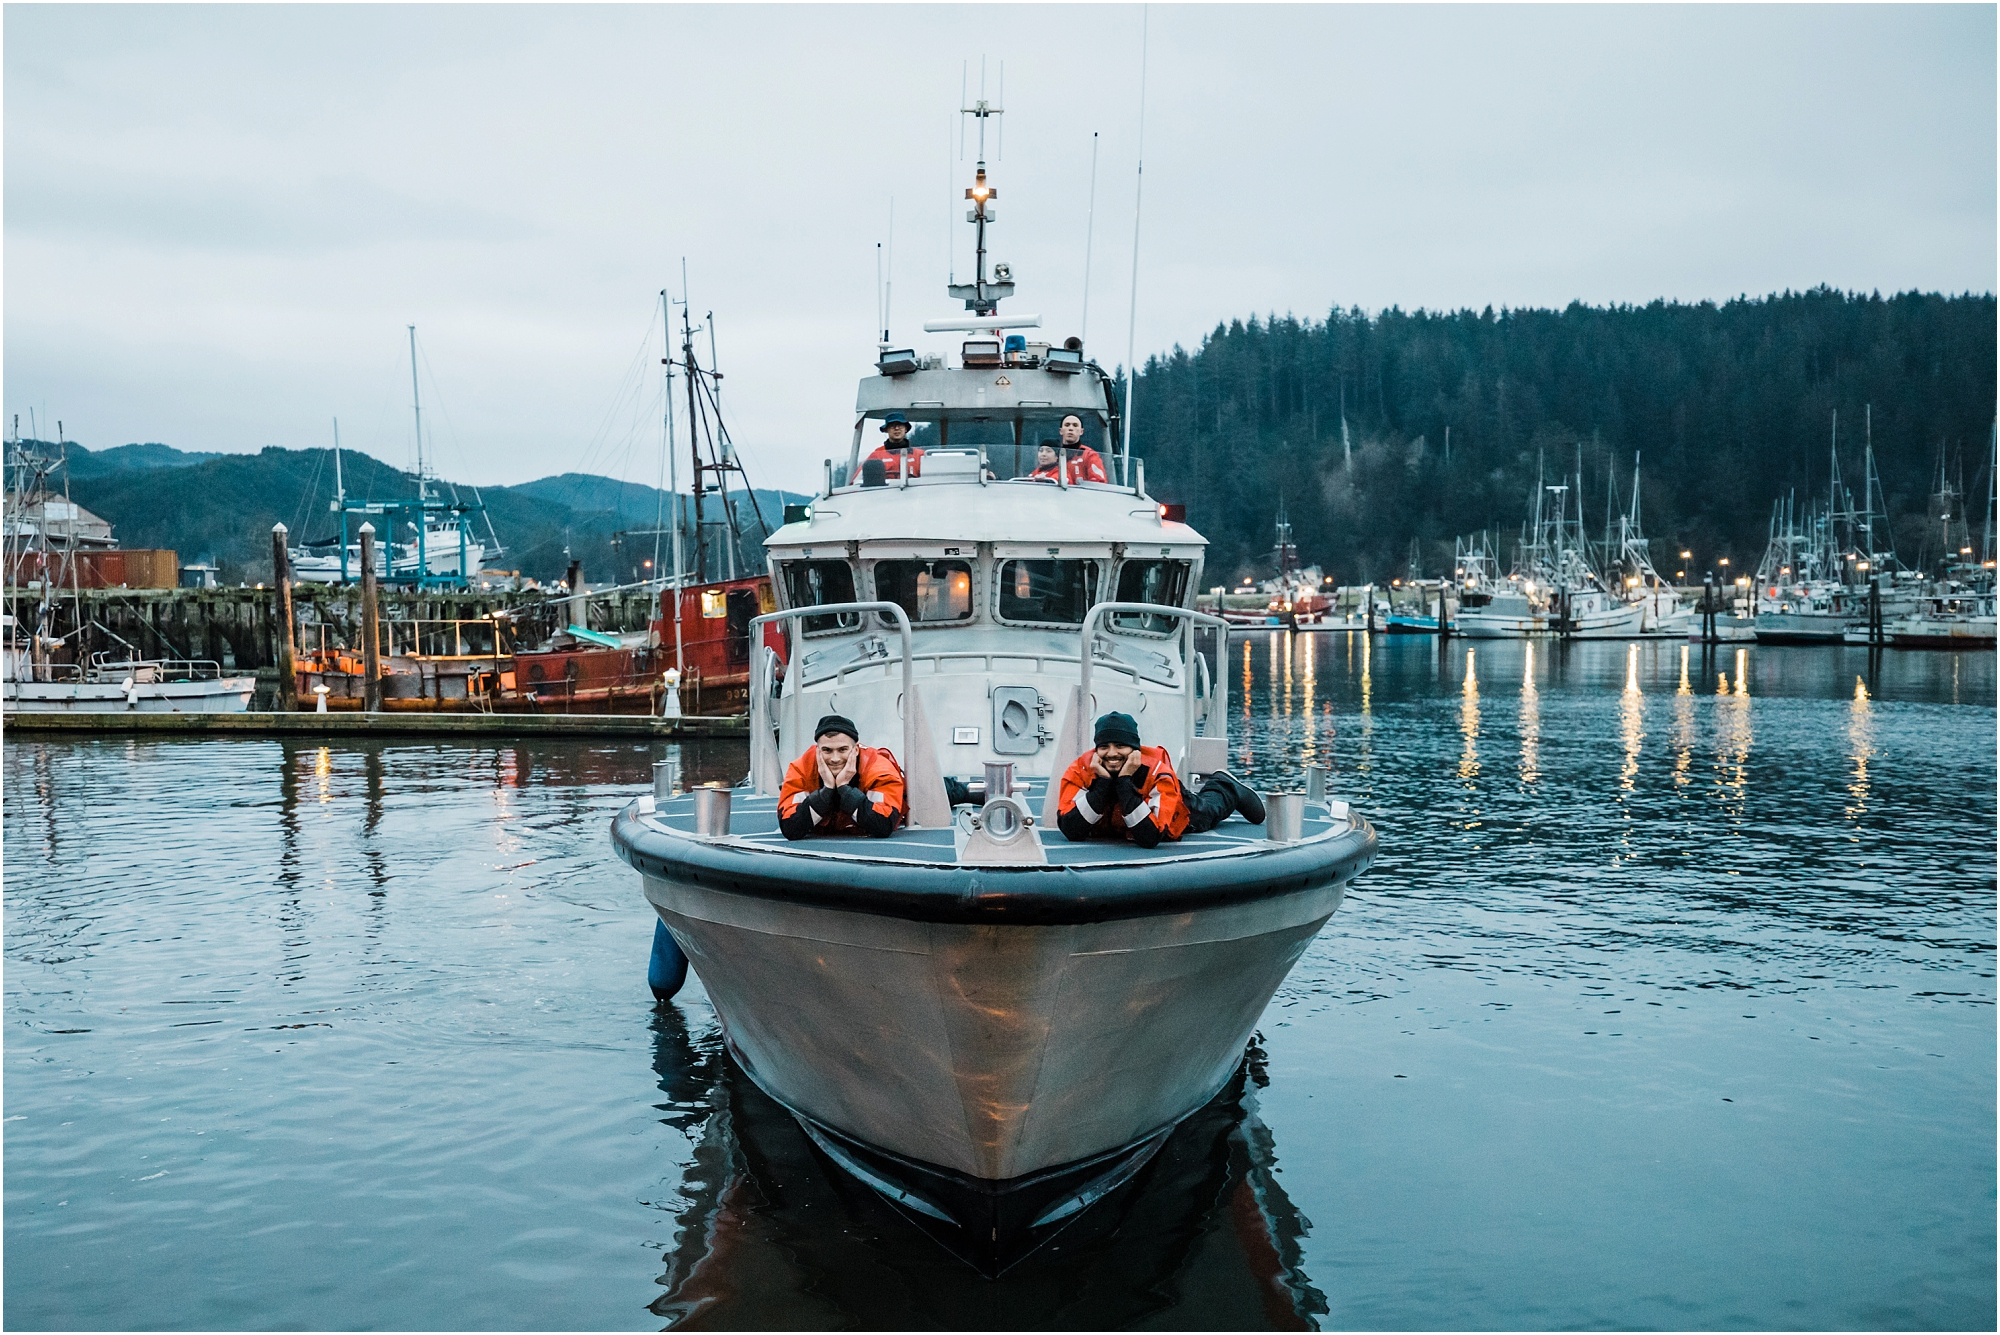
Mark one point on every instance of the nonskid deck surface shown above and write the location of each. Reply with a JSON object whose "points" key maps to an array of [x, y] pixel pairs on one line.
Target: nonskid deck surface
{"points": [[753, 823]]}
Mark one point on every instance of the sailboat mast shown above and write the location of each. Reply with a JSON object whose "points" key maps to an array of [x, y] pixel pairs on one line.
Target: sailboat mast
{"points": [[673, 480], [417, 406], [692, 373]]}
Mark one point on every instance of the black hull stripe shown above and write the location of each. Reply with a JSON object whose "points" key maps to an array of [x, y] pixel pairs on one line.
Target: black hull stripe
{"points": [[1027, 896]]}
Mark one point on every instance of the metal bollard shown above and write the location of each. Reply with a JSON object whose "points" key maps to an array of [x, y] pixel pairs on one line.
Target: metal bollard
{"points": [[711, 812], [1316, 779], [1284, 817], [666, 779], [999, 779]]}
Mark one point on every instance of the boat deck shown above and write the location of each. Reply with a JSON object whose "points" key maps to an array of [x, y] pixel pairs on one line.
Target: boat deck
{"points": [[753, 824]]}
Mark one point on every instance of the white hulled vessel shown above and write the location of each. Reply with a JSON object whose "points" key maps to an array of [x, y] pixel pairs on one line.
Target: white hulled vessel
{"points": [[991, 1026]]}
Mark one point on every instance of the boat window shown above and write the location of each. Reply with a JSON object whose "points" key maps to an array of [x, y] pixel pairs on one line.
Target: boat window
{"points": [[1162, 582], [927, 590], [816, 583], [1050, 591]]}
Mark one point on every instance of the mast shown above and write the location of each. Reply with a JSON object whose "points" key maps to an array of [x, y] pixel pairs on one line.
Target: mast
{"points": [[673, 480], [691, 373], [417, 406], [1138, 199]]}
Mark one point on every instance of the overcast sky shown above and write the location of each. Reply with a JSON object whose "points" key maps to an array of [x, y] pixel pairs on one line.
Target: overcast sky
{"points": [[220, 220]]}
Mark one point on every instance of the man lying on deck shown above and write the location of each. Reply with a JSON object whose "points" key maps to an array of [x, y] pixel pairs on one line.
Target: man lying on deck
{"points": [[1122, 790], [840, 786]]}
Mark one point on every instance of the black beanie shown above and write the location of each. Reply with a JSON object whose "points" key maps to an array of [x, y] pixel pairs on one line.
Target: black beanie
{"points": [[836, 723], [1119, 728]]}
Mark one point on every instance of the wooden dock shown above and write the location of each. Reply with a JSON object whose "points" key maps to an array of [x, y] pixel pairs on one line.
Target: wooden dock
{"points": [[388, 724]]}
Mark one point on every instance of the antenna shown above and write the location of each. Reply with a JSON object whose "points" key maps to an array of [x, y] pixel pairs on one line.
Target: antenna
{"points": [[1000, 130], [339, 487], [889, 283], [881, 320], [417, 406], [1138, 197], [1089, 228]]}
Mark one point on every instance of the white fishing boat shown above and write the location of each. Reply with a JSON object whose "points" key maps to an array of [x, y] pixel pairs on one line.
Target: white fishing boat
{"points": [[110, 685], [435, 547], [989, 1025]]}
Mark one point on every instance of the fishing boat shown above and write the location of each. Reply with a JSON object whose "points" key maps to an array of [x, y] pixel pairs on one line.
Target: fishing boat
{"points": [[43, 666], [992, 1027]]}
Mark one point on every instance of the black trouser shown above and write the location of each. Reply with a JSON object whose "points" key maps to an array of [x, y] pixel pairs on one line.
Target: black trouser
{"points": [[1209, 808]]}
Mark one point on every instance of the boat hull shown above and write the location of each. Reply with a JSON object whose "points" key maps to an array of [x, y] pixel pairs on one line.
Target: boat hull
{"points": [[226, 695], [1801, 627], [993, 1051]]}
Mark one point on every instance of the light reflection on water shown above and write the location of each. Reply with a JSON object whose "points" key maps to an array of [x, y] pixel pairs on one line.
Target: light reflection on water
{"points": [[1661, 1008]]}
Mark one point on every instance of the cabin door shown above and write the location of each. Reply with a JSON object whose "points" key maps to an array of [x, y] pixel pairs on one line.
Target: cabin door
{"points": [[742, 607]]}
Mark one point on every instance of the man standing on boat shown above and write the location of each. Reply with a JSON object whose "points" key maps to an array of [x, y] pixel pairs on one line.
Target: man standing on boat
{"points": [[840, 786], [1122, 790], [893, 450], [1083, 463]]}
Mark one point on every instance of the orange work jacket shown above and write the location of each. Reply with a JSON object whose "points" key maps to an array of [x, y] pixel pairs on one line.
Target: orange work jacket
{"points": [[876, 773], [1085, 465], [892, 461], [1161, 790]]}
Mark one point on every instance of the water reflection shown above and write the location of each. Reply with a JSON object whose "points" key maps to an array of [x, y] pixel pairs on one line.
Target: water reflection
{"points": [[1531, 719], [1861, 748], [770, 1235], [1468, 722], [1631, 724]]}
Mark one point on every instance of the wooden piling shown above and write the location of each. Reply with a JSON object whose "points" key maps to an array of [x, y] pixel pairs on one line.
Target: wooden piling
{"points": [[371, 625], [1444, 625], [287, 628], [1875, 636]]}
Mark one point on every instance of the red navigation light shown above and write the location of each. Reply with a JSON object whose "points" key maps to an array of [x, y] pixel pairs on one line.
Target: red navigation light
{"points": [[1173, 514]]}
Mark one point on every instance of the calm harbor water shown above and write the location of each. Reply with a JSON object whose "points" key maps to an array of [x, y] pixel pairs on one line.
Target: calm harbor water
{"points": [[1670, 1003]]}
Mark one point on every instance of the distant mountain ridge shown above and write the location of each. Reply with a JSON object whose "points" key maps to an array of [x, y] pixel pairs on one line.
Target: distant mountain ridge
{"points": [[221, 508]]}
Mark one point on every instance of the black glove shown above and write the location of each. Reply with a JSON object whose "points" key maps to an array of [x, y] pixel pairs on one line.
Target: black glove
{"points": [[1128, 795], [823, 802], [852, 799]]}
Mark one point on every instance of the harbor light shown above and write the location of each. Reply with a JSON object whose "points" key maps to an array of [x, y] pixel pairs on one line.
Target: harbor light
{"points": [[1862, 565], [1687, 556]]}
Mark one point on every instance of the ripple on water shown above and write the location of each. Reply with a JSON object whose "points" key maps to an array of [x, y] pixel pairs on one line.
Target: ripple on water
{"points": [[1669, 1003]]}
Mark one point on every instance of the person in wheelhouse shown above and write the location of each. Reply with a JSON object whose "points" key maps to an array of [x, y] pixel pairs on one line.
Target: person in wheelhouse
{"points": [[1082, 463]]}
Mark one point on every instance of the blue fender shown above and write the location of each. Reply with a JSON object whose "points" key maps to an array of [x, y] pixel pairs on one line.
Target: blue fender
{"points": [[668, 968]]}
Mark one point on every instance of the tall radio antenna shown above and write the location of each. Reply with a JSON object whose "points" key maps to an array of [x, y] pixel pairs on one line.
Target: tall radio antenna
{"points": [[1089, 226], [1138, 198]]}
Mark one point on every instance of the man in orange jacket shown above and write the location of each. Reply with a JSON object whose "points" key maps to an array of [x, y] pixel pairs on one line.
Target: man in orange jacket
{"points": [[1123, 790], [841, 786], [1082, 463], [893, 451]]}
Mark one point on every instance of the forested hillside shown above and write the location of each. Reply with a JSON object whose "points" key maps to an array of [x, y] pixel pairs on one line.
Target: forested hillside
{"points": [[1728, 406], [220, 508]]}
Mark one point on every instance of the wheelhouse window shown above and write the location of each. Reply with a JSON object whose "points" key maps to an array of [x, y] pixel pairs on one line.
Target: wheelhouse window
{"points": [[816, 584], [929, 591], [1048, 591], [1161, 582]]}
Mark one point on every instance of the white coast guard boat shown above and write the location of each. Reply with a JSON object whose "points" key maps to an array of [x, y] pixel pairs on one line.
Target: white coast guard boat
{"points": [[991, 1026]]}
